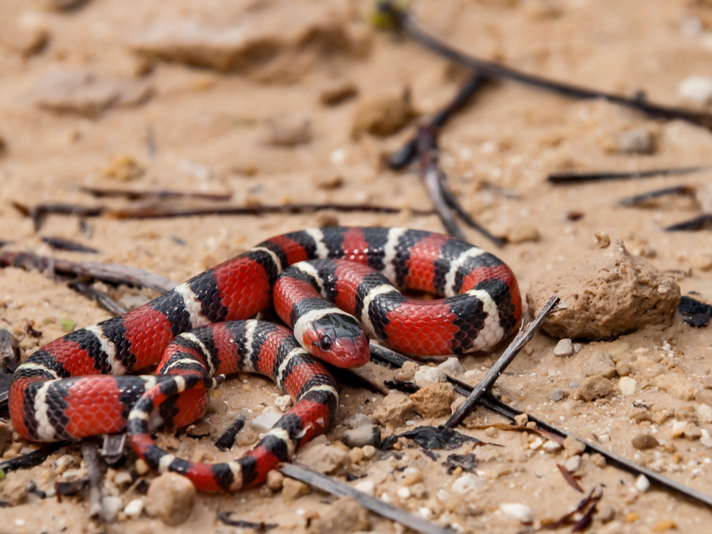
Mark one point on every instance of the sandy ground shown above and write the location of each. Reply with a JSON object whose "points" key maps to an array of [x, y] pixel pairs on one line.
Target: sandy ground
{"points": [[206, 130]]}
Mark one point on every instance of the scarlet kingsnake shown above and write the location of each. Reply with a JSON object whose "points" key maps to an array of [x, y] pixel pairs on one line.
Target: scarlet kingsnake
{"points": [[51, 399]]}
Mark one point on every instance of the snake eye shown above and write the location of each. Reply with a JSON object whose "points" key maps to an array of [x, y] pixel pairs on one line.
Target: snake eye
{"points": [[325, 343]]}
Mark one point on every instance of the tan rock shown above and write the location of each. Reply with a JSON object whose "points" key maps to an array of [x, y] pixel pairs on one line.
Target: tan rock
{"points": [[407, 372], [382, 114], [170, 497], [275, 479], [607, 292], [594, 387], [344, 516], [13, 487], [293, 489], [433, 400], [573, 446], [324, 458], [676, 385], [393, 409], [599, 363]]}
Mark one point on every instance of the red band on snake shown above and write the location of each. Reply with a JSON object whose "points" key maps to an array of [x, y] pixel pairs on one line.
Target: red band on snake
{"points": [[53, 397]]}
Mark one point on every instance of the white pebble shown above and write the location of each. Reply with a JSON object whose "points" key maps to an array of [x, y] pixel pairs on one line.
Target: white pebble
{"points": [[366, 486], [111, 508], [134, 508], [573, 464], [564, 347], [678, 428], [466, 483], [517, 511], [705, 413], [534, 445], [551, 446], [428, 375], [452, 367], [386, 497], [696, 89], [266, 420], [642, 483], [403, 492], [425, 513], [284, 402], [627, 385]]}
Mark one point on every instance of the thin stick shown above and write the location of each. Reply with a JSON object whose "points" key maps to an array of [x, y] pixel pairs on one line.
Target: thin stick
{"points": [[502, 363], [578, 178], [113, 273], [636, 200], [395, 359], [313, 478], [33, 458], [406, 155], [102, 299], [227, 438], [58, 243], [161, 194], [406, 23], [90, 454], [698, 223]]}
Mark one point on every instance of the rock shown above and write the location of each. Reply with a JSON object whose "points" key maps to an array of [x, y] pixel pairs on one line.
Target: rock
{"points": [[564, 347], [676, 385], [344, 516], [270, 45], [551, 446], [607, 292], [594, 387], [663, 525], [170, 497], [362, 436], [518, 511], [452, 367], [134, 508], [199, 430], [246, 437], [642, 483], [573, 446], [288, 133], [358, 420], [703, 410], [635, 141], [428, 375], [123, 479], [124, 168], [324, 458], [678, 428], [284, 403], [366, 486], [407, 372], [628, 386], [88, 94], [275, 480], [623, 368], [605, 513], [111, 506], [382, 114], [692, 431], [393, 409], [369, 451], [644, 441], [696, 90], [556, 395], [466, 483], [433, 400], [14, 486], [337, 93], [600, 363], [266, 420], [573, 464], [293, 489]]}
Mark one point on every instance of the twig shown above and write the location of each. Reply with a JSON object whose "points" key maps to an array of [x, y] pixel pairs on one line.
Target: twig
{"points": [[58, 243], [569, 478], [588, 504], [642, 198], [160, 194], [313, 478], [90, 454], [224, 517], [395, 359], [578, 178], [113, 273], [406, 155], [39, 213], [701, 222], [102, 299], [502, 363], [33, 458], [405, 22], [227, 439]]}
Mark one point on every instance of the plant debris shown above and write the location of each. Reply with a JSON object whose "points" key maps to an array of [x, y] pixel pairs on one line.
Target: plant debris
{"points": [[58, 243], [467, 462], [227, 438], [701, 222], [569, 478], [694, 312], [33, 458], [644, 198], [224, 517], [580, 516], [430, 437], [599, 176]]}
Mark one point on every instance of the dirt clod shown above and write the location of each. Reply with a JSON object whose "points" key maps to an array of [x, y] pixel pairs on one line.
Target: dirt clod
{"points": [[170, 497], [393, 409], [594, 387], [382, 114], [433, 400], [345, 515]]}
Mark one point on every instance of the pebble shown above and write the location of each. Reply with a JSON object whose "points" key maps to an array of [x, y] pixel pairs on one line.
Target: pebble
{"points": [[407, 372], [538, 442], [635, 141], [466, 483], [428, 375], [275, 479], [705, 413], [452, 367], [628, 386], [573, 446], [393, 409], [199, 429], [345, 515], [664, 525], [284, 403], [600, 363], [403, 493], [171, 498], [551, 446], [692, 432], [293, 489], [678, 428], [433, 400], [141, 467], [134, 508], [644, 441], [382, 114], [642, 483], [360, 437], [605, 513], [556, 395], [356, 455], [124, 168], [111, 506], [594, 387], [357, 420], [573, 464], [696, 90], [369, 451], [623, 368], [518, 511], [14, 488], [324, 458], [366, 486], [266, 420], [123, 478], [288, 132], [564, 347]]}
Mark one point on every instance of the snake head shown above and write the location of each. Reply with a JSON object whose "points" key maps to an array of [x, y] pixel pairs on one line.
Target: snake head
{"points": [[337, 339]]}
